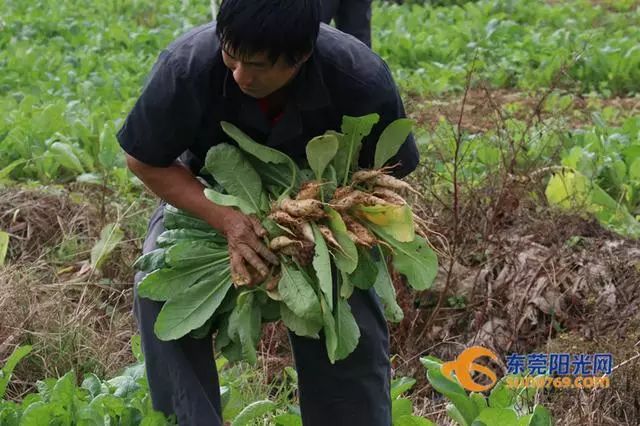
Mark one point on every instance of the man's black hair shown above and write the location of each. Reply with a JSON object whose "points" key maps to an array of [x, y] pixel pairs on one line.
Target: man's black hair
{"points": [[277, 27]]}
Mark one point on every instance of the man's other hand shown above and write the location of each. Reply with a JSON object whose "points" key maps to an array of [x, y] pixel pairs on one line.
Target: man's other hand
{"points": [[248, 254]]}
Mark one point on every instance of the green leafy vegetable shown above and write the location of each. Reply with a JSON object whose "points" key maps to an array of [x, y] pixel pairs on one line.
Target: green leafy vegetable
{"points": [[191, 308], [228, 166], [298, 294], [262, 152], [322, 266], [4, 246], [385, 290], [10, 364], [415, 260], [164, 283], [320, 151], [346, 256], [346, 329], [354, 129], [253, 411], [244, 325], [230, 201], [194, 253], [391, 139], [150, 261], [110, 237], [300, 325]]}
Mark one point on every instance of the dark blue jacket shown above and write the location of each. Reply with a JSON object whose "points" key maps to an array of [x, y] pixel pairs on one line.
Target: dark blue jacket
{"points": [[189, 91]]}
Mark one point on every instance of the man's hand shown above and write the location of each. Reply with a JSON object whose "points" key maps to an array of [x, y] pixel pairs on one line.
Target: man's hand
{"points": [[180, 188], [244, 235]]}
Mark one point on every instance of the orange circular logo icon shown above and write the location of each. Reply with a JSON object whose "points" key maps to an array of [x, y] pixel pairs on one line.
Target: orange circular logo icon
{"points": [[464, 365]]}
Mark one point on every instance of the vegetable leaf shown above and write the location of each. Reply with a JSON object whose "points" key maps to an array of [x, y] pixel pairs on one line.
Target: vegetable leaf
{"points": [[65, 155], [347, 330], [322, 265], [10, 364], [230, 201], [320, 151], [401, 385], [397, 221], [401, 407], [497, 416], [455, 393], [164, 283], [412, 421], [391, 139], [262, 152], [346, 257], [172, 236], [150, 261], [329, 329], [300, 326], [195, 253], [254, 411], [366, 273], [245, 323], [298, 294], [354, 129], [175, 218], [231, 169], [110, 237], [191, 308], [385, 290], [416, 260]]}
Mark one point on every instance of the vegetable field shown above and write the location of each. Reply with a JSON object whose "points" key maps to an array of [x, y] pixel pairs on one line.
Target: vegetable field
{"points": [[519, 231]]}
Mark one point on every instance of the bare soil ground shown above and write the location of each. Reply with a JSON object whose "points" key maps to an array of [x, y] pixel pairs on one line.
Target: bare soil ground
{"points": [[485, 109]]}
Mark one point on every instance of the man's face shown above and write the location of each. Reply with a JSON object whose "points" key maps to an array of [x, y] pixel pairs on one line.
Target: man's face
{"points": [[256, 75]]}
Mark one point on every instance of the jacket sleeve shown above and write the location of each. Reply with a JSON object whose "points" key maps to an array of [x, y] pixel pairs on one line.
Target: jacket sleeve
{"points": [[163, 121], [389, 106]]}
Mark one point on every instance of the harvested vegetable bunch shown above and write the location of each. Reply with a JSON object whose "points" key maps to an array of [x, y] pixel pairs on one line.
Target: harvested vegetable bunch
{"points": [[332, 226]]}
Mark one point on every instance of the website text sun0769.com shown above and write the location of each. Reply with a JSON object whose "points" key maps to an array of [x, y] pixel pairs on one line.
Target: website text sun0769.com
{"points": [[563, 382]]}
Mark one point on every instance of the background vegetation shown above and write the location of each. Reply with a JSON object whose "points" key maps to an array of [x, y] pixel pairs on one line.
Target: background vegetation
{"points": [[528, 118]]}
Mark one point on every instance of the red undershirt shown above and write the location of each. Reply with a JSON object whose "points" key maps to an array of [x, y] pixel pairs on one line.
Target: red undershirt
{"points": [[264, 107]]}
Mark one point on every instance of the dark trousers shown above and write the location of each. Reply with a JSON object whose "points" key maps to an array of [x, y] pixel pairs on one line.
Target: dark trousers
{"points": [[352, 17], [183, 379]]}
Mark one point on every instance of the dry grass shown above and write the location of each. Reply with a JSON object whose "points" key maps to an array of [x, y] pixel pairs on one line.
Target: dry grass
{"points": [[75, 317], [617, 405], [516, 275], [38, 221]]}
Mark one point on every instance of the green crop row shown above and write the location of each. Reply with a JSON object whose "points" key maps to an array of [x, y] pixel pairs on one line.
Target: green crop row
{"points": [[70, 72], [515, 43], [72, 69]]}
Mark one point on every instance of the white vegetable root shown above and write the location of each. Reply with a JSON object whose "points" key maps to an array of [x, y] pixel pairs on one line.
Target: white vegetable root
{"points": [[356, 197], [328, 236], [279, 243], [361, 235], [389, 195], [309, 190], [304, 209]]}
